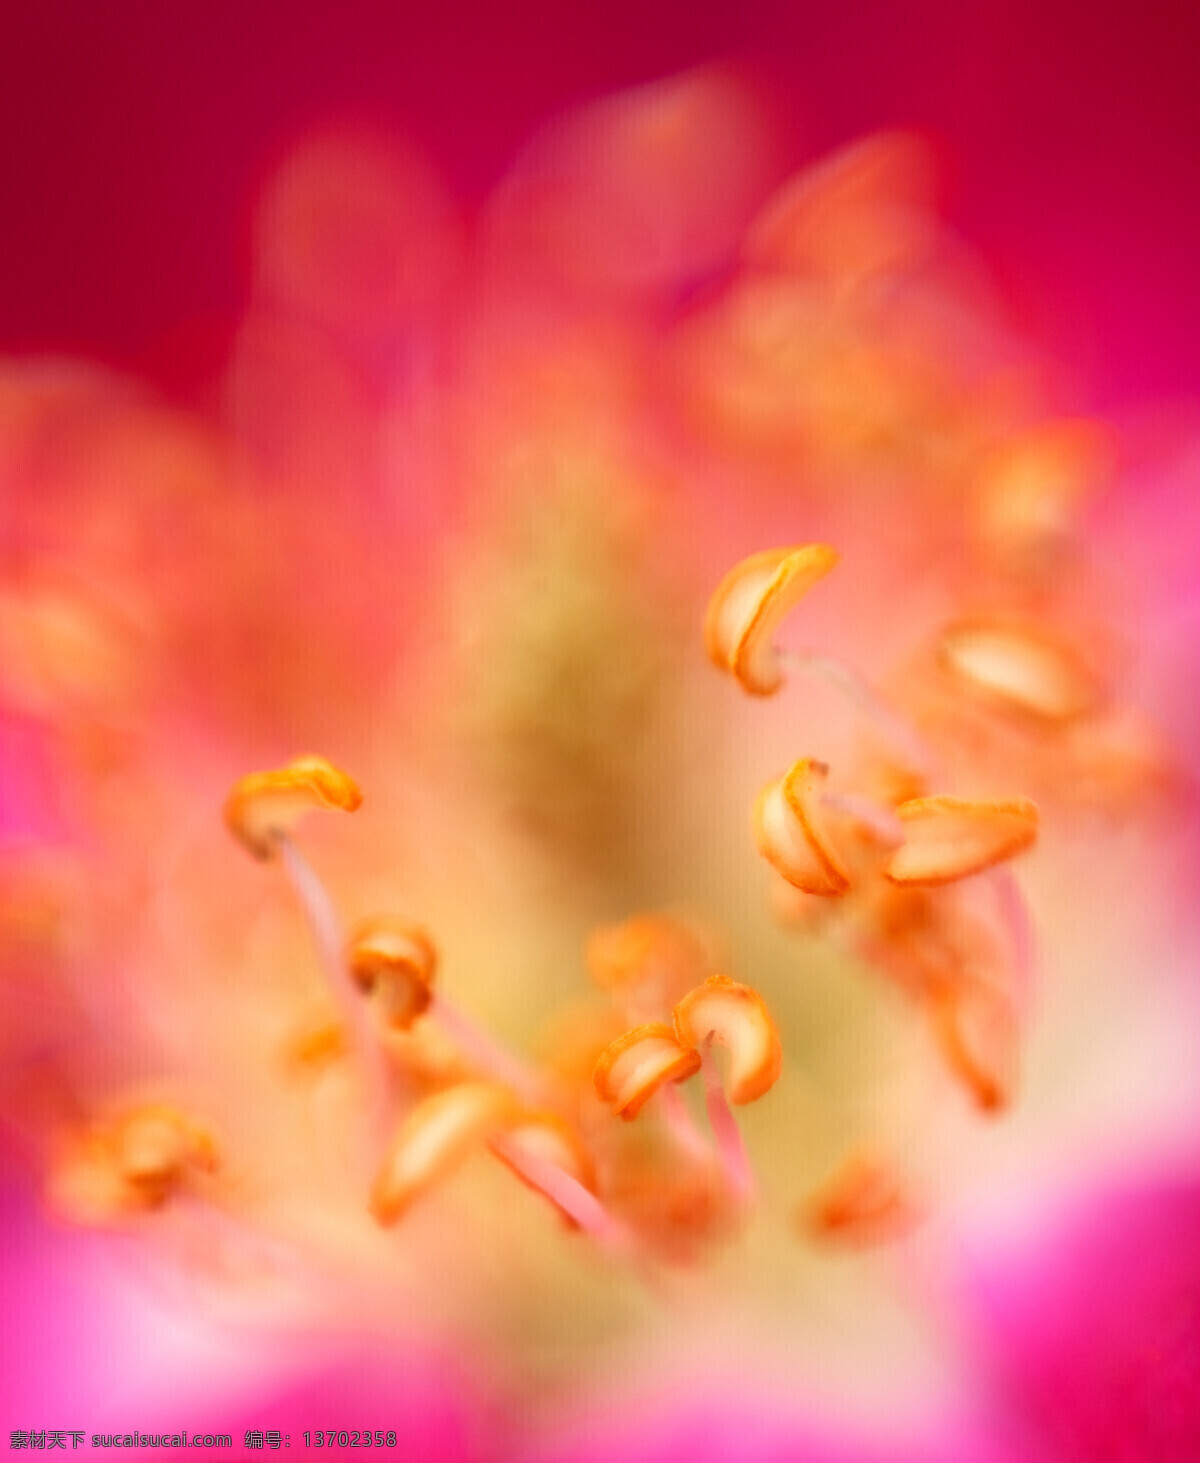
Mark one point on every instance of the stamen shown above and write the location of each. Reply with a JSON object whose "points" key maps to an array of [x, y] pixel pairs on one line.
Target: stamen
{"points": [[155, 1144], [563, 1189], [438, 1135], [110, 1171], [483, 1052], [789, 834], [975, 1027], [950, 838], [737, 1017], [327, 935], [748, 606], [1019, 668], [863, 1202], [905, 740], [1018, 924], [728, 1136], [680, 1123], [264, 805], [395, 963], [631, 1069], [882, 822], [647, 961], [540, 1148]]}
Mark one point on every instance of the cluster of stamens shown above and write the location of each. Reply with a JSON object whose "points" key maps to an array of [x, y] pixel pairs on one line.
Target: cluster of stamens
{"points": [[892, 856]]}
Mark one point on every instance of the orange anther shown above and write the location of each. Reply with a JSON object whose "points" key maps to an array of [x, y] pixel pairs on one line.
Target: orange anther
{"points": [[438, 1135], [975, 1026], [263, 805], [863, 1202], [630, 1070], [155, 1144], [748, 605], [1020, 668], [949, 838], [736, 1017], [790, 835], [650, 953], [112, 1170], [396, 963]]}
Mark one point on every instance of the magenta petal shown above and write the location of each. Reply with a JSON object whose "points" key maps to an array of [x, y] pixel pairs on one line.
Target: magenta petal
{"points": [[1099, 1327]]}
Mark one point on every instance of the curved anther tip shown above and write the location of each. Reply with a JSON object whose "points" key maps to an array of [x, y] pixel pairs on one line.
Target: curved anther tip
{"points": [[438, 1135], [736, 1017], [1021, 668], [648, 951], [395, 962], [750, 602], [864, 1201], [130, 1164], [630, 1070], [264, 805], [791, 835], [975, 1027], [949, 838]]}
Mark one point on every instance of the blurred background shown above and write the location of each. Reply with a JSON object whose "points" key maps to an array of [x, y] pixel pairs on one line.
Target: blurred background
{"points": [[135, 135]]}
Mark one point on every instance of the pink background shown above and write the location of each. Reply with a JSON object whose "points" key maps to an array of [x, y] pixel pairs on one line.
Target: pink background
{"points": [[134, 133]]}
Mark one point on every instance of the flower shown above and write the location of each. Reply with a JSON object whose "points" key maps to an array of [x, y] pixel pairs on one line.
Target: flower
{"points": [[483, 589]]}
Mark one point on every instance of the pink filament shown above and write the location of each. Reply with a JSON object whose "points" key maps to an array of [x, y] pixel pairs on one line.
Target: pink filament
{"points": [[726, 1132], [906, 741], [484, 1052], [327, 934], [577, 1202], [679, 1122]]}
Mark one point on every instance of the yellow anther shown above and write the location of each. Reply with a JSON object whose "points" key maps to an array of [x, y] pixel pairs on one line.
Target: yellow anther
{"points": [[1019, 668], [396, 963], [264, 805], [736, 1017], [949, 838], [790, 832], [630, 1070], [748, 605], [438, 1135]]}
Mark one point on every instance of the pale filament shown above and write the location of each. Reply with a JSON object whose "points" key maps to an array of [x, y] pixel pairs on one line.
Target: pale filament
{"points": [[577, 1202], [904, 739], [327, 934], [485, 1053], [1018, 925], [680, 1123], [728, 1135], [880, 820]]}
